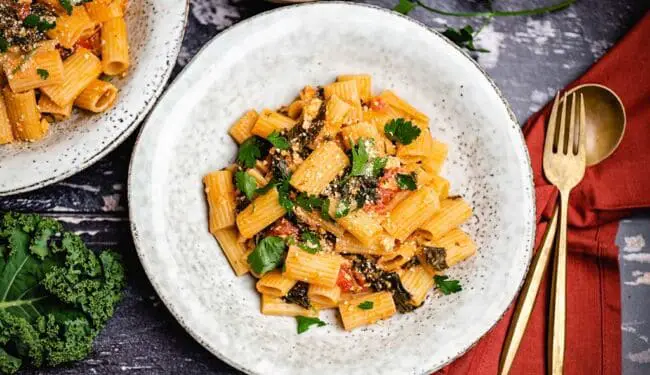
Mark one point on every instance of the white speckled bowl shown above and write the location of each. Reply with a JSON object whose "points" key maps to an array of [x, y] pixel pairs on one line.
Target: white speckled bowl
{"points": [[263, 62], [156, 30]]}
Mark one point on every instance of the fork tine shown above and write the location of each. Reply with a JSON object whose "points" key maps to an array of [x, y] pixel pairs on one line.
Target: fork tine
{"points": [[550, 129], [572, 128], [561, 130], [582, 138]]}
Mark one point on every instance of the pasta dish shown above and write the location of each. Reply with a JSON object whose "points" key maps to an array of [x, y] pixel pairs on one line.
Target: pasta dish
{"points": [[336, 202], [56, 55]]}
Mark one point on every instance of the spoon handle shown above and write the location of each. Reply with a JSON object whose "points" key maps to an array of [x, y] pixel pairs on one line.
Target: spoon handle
{"points": [[526, 301]]}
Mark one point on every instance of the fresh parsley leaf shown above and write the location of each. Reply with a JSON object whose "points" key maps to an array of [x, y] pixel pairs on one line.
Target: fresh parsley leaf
{"points": [[278, 141], [304, 323], [264, 189], [4, 45], [463, 38], [366, 305], [267, 255], [406, 181], [283, 192], [106, 78], [283, 197], [359, 158], [342, 209], [405, 6], [311, 242], [308, 202], [447, 286], [44, 74], [246, 184], [32, 20], [249, 152], [67, 5], [325, 209], [41, 24], [402, 131], [378, 165]]}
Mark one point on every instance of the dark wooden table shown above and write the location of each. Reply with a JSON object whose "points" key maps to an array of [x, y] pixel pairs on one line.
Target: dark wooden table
{"points": [[530, 58]]}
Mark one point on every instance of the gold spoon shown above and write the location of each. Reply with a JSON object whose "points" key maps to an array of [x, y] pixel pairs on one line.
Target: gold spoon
{"points": [[605, 127]]}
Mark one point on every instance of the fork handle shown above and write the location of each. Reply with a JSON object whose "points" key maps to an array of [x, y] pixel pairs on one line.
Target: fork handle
{"points": [[557, 329]]}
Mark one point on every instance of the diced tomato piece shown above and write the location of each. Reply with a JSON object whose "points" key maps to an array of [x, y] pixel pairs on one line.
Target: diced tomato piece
{"points": [[345, 280], [284, 228], [23, 10], [386, 190], [378, 104], [92, 43]]}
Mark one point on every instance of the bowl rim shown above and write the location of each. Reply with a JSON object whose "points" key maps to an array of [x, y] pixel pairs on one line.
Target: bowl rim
{"points": [[138, 119], [530, 237]]}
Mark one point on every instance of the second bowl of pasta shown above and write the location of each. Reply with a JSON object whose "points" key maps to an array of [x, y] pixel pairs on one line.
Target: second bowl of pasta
{"points": [[76, 78]]}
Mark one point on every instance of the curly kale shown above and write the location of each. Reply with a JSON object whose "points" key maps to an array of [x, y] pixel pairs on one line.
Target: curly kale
{"points": [[380, 280], [56, 295], [298, 295]]}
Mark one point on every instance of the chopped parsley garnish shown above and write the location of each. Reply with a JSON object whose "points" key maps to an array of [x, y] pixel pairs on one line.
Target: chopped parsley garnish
{"points": [[41, 24], [278, 141], [304, 323], [309, 202], [311, 242], [463, 38], [249, 152], [447, 286], [106, 78], [44, 74], [359, 158], [378, 165], [342, 209], [264, 189], [402, 131], [4, 45], [246, 184], [67, 5], [283, 192], [363, 164], [366, 305], [406, 181], [267, 255], [283, 198], [325, 209]]}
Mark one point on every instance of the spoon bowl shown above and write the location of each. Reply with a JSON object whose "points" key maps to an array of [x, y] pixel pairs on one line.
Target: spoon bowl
{"points": [[605, 121]]}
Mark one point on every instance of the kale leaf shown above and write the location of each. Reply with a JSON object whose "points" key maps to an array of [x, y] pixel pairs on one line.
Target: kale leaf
{"points": [[56, 295]]}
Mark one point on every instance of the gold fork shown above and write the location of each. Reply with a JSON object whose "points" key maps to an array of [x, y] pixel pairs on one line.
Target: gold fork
{"points": [[564, 166]]}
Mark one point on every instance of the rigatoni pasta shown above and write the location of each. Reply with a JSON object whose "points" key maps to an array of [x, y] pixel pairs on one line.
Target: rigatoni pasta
{"points": [[105, 10], [70, 27], [115, 47], [46, 105], [79, 71], [337, 201], [24, 116], [30, 74], [6, 132], [354, 315], [65, 53], [319, 169], [97, 97]]}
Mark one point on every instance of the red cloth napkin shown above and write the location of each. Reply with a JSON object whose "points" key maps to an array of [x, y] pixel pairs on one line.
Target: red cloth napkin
{"points": [[607, 193]]}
